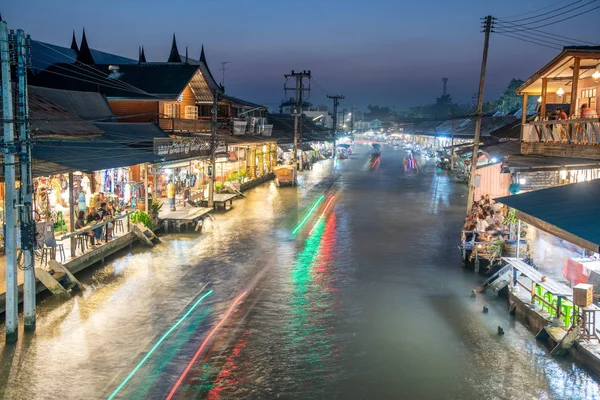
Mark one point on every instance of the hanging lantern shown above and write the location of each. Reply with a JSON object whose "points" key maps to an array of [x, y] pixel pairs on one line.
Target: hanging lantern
{"points": [[560, 92], [596, 74]]}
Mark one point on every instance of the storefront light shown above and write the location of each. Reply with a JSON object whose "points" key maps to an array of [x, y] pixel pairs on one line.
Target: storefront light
{"points": [[563, 174], [560, 92]]}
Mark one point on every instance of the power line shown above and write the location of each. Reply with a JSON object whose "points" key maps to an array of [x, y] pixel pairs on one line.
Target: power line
{"points": [[79, 65], [554, 22], [528, 41], [530, 37], [502, 25], [535, 11], [555, 11]]}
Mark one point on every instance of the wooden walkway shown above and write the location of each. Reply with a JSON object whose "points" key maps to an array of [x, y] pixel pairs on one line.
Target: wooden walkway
{"points": [[183, 217]]}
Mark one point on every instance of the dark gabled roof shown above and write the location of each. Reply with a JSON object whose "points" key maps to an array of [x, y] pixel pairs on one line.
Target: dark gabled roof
{"points": [[488, 125], [174, 56], [569, 212], [203, 64], [139, 81], [283, 129], [74, 43], [84, 55], [49, 119], [140, 135], [240, 102], [46, 54], [85, 105]]}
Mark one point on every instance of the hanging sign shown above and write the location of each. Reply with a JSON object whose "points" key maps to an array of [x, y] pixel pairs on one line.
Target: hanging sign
{"points": [[173, 149]]}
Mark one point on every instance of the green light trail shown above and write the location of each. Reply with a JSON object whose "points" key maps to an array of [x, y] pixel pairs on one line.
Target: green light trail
{"points": [[118, 389], [320, 199]]}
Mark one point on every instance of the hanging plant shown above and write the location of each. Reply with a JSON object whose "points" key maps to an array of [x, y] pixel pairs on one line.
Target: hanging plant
{"points": [[511, 217]]}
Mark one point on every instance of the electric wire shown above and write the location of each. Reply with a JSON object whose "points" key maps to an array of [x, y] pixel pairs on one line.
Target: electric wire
{"points": [[502, 25], [555, 11], [554, 22], [79, 65], [90, 72], [534, 11], [528, 41]]}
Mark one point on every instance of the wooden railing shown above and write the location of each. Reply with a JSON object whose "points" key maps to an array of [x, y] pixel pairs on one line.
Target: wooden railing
{"points": [[572, 131], [191, 125]]}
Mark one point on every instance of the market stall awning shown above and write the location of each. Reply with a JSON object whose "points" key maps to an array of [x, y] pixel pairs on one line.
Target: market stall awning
{"points": [[569, 212], [90, 155]]}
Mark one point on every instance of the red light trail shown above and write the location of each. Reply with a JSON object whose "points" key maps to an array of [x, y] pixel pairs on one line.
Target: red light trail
{"points": [[322, 214], [203, 345]]}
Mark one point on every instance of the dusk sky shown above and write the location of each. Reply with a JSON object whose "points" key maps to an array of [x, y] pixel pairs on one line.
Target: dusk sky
{"points": [[385, 52]]}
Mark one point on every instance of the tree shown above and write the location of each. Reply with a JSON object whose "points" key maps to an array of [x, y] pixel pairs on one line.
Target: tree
{"points": [[292, 102], [510, 101], [377, 112]]}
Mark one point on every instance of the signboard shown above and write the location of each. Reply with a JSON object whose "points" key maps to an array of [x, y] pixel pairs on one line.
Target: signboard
{"points": [[173, 149]]}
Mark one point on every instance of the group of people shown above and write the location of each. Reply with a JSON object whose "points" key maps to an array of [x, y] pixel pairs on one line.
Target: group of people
{"points": [[486, 221], [105, 212], [585, 112]]}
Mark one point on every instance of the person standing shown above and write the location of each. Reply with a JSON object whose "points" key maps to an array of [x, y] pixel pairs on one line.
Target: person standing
{"points": [[171, 195], [81, 201]]}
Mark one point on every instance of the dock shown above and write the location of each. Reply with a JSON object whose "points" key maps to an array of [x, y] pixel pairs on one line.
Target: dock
{"points": [[185, 217]]}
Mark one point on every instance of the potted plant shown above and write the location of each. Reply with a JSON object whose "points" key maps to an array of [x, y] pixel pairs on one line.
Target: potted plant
{"points": [[155, 208]]}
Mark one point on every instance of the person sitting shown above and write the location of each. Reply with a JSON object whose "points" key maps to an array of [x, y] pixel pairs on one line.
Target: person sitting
{"points": [[106, 214], [587, 112], [559, 113], [94, 217], [80, 224]]}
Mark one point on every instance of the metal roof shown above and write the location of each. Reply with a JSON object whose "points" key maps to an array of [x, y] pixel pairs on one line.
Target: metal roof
{"points": [[86, 105], [569, 212], [90, 155]]}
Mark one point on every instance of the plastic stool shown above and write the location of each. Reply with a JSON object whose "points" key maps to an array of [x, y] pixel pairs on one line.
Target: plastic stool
{"points": [[81, 241], [60, 251], [118, 226], [567, 309], [549, 297]]}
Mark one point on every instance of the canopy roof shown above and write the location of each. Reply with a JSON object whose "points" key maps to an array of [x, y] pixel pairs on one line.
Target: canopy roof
{"points": [[569, 212], [90, 155], [559, 71]]}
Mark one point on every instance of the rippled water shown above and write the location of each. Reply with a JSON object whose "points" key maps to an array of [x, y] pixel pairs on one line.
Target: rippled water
{"points": [[373, 303]]}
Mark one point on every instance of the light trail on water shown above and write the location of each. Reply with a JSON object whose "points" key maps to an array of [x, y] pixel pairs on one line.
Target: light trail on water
{"points": [[322, 214], [137, 367], [320, 199], [203, 345]]}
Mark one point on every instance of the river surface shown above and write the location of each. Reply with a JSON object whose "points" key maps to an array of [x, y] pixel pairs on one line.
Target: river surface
{"points": [[349, 286]]}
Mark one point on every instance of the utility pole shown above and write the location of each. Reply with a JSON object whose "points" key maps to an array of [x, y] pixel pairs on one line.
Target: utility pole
{"points": [[452, 141], [352, 123], [23, 50], [10, 159], [299, 90], [336, 102], [223, 64], [487, 29], [213, 150]]}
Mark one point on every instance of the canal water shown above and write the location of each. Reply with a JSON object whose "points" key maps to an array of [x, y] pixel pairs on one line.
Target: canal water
{"points": [[349, 286]]}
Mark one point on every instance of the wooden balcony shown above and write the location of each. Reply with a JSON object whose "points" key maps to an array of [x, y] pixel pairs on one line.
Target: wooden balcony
{"points": [[173, 125], [577, 138]]}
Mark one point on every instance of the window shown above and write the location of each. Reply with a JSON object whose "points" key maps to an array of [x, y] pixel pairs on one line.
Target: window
{"points": [[191, 112], [588, 96], [171, 110]]}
